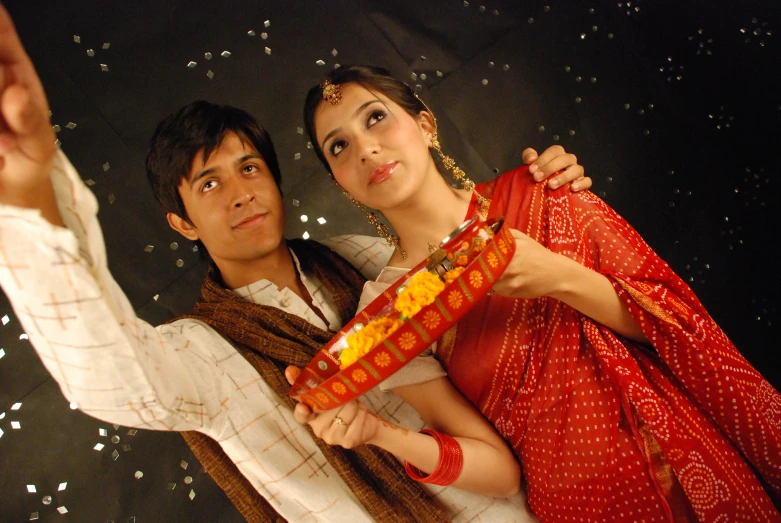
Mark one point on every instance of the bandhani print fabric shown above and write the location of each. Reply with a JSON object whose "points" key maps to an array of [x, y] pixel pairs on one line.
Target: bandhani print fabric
{"points": [[607, 429]]}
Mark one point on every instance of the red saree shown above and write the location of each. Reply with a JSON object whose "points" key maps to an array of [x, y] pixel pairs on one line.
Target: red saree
{"points": [[606, 429]]}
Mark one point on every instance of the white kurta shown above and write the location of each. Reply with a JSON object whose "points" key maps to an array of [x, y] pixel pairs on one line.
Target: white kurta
{"points": [[184, 375]]}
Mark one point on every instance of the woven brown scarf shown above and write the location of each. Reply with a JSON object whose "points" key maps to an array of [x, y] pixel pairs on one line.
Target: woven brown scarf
{"points": [[271, 339]]}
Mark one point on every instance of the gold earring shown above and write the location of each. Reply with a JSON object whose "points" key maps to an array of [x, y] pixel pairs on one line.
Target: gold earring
{"points": [[382, 229], [448, 162]]}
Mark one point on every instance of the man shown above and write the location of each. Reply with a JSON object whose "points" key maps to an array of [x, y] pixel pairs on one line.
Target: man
{"points": [[218, 372]]}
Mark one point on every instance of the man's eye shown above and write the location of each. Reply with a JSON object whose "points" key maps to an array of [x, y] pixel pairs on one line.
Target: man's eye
{"points": [[208, 186], [250, 168]]}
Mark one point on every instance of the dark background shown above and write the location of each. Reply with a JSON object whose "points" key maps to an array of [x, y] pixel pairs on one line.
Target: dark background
{"points": [[672, 106]]}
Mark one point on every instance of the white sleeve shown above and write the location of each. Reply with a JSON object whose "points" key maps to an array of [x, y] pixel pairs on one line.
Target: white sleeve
{"points": [[368, 254], [113, 365]]}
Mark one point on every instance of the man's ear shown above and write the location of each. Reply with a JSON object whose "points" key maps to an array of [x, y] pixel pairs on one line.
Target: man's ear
{"points": [[182, 226]]}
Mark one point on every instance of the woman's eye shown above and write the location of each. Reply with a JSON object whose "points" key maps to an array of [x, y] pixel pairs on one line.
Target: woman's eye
{"points": [[375, 117], [337, 147]]}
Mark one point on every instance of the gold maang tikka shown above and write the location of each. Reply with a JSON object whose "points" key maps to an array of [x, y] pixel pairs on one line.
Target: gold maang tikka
{"points": [[332, 93], [448, 162]]}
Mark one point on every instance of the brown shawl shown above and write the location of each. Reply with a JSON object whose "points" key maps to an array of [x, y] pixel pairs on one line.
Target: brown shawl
{"points": [[271, 339]]}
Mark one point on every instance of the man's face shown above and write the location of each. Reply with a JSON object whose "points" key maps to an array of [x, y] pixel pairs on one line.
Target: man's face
{"points": [[234, 205]]}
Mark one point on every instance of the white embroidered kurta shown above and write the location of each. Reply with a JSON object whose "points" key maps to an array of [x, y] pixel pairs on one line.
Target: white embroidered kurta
{"points": [[185, 376]]}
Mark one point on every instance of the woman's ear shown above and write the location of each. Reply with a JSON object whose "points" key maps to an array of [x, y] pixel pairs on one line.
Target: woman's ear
{"points": [[428, 124], [182, 226]]}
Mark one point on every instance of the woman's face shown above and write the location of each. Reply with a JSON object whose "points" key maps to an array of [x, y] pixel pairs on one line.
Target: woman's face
{"points": [[376, 150]]}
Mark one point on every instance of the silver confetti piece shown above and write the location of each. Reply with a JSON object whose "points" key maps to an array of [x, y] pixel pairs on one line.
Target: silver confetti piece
{"points": [[1, 430], [104, 68], [304, 218], [174, 246], [180, 263], [16, 406], [138, 474], [106, 166], [126, 447], [251, 32], [208, 56], [62, 486], [90, 52], [296, 203], [73, 405], [506, 67], [77, 39], [106, 45], [210, 74], [115, 455], [184, 464], [62, 510], [320, 63], [156, 297], [321, 220], [191, 495], [90, 182], [300, 130], [111, 198], [56, 128], [267, 23], [297, 156], [132, 432], [70, 125], [225, 54], [149, 248], [195, 248], [47, 500], [439, 74], [34, 516], [484, 81], [334, 52], [23, 337], [268, 51], [423, 76], [188, 480], [6, 319], [114, 439], [191, 64], [31, 489], [16, 425], [414, 76], [305, 235], [171, 486], [103, 432], [264, 36]]}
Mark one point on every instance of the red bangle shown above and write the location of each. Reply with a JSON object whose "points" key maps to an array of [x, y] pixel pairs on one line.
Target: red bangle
{"points": [[451, 461]]}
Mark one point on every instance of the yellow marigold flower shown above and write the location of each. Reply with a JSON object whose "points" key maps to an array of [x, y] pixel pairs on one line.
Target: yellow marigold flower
{"points": [[461, 260], [422, 289], [361, 342], [479, 245], [492, 259], [451, 275], [476, 279]]}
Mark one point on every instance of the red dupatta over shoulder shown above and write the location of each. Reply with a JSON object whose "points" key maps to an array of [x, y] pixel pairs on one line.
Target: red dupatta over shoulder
{"points": [[607, 429]]}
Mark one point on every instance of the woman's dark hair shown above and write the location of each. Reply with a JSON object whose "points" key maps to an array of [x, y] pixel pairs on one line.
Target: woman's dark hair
{"points": [[198, 126], [371, 78]]}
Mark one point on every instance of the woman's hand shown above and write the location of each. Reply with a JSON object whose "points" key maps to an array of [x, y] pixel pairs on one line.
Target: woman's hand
{"points": [[347, 426], [553, 160], [533, 271]]}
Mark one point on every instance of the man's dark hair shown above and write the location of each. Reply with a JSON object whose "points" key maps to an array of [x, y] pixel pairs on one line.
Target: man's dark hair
{"points": [[196, 126]]}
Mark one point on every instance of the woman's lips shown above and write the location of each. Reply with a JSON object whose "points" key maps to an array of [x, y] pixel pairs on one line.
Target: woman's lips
{"points": [[251, 221], [382, 172]]}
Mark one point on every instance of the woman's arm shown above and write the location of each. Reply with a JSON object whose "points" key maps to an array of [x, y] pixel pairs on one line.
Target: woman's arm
{"points": [[536, 271], [489, 467]]}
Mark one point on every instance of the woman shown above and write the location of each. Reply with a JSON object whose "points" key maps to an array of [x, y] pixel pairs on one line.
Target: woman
{"points": [[605, 427]]}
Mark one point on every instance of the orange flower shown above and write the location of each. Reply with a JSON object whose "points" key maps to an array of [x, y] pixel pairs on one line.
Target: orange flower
{"points": [[502, 246], [422, 289], [359, 375], [339, 388], [382, 359], [322, 398], [476, 279], [479, 245], [451, 275], [461, 260], [454, 299], [493, 261], [464, 246], [407, 340], [431, 320]]}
